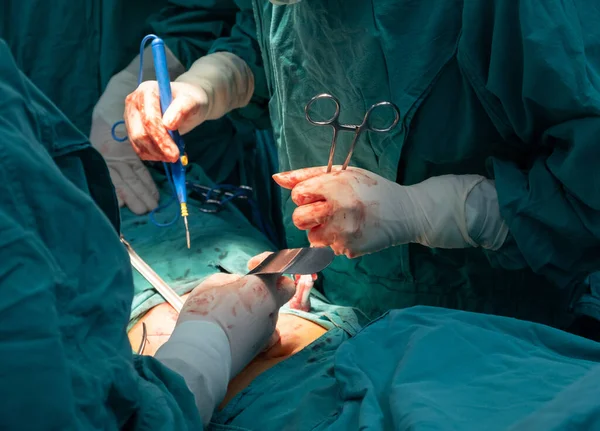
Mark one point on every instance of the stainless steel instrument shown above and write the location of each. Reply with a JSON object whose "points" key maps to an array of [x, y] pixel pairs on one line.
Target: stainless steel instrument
{"points": [[294, 261]]}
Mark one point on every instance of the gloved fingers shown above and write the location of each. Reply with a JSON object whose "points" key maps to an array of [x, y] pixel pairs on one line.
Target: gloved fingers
{"points": [[337, 239], [301, 299], [289, 179], [145, 178], [100, 136], [188, 109], [297, 277], [132, 201], [118, 184], [309, 216], [322, 236], [156, 130], [314, 188], [143, 119], [180, 110], [304, 195], [319, 188], [137, 134], [218, 279], [135, 195], [257, 260]]}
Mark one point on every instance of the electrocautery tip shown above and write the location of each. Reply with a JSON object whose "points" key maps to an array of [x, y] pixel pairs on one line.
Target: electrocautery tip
{"points": [[187, 233]]}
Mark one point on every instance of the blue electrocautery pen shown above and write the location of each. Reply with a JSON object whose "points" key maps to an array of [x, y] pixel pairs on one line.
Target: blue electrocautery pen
{"points": [[164, 90]]}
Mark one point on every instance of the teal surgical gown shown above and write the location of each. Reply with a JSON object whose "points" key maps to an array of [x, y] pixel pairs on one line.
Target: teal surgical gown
{"points": [[504, 89], [71, 49], [65, 360]]}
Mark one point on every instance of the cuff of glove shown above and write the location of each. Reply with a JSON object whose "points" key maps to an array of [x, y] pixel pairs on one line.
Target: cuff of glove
{"points": [[484, 222], [199, 351], [226, 79]]}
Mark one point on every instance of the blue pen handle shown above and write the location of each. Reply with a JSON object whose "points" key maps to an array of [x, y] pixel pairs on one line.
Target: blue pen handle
{"points": [[164, 90]]}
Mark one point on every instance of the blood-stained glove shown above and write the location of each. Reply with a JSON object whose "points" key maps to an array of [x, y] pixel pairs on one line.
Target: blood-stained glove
{"points": [[134, 186], [225, 322], [357, 212], [214, 85]]}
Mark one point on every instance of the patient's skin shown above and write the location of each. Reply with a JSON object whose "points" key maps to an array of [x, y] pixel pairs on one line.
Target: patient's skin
{"points": [[295, 334]]}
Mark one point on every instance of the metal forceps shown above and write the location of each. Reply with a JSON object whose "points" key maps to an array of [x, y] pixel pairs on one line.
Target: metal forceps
{"points": [[214, 198], [356, 128]]}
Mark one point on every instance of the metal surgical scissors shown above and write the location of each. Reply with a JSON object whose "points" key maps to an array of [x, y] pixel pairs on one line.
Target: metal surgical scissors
{"points": [[356, 128]]}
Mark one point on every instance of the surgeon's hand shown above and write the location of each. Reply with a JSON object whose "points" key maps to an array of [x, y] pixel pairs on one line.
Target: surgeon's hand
{"points": [[245, 308], [225, 322], [133, 183], [214, 85], [134, 186], [357, 212], [148, 129]]}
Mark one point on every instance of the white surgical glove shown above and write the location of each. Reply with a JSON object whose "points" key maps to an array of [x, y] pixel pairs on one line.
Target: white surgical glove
{"points": [[214, 85], [133, 183], [225, 322], [357, 212]]}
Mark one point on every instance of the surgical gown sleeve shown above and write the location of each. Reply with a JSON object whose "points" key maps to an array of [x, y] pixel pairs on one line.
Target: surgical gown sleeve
{"points": [[536, 68], [66, 283], [243, 42], [189, 27]]}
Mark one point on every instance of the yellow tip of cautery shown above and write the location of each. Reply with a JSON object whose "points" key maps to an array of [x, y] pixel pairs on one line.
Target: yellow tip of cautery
{"points": [[184, 214], [184, 210], [184, 160]]}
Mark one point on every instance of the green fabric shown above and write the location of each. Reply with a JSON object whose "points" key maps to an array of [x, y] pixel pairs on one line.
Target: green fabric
{"points": [[329, 316], [504, 89], [189, 27], [224, 241], [426, 368], [72, 48], [67, 283], [261, 162]]}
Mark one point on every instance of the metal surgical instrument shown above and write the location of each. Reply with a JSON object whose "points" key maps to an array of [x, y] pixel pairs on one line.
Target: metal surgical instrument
{"points": [[144, 339], [297, 261], [333, 121], [213, 199], [153, 278]]}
